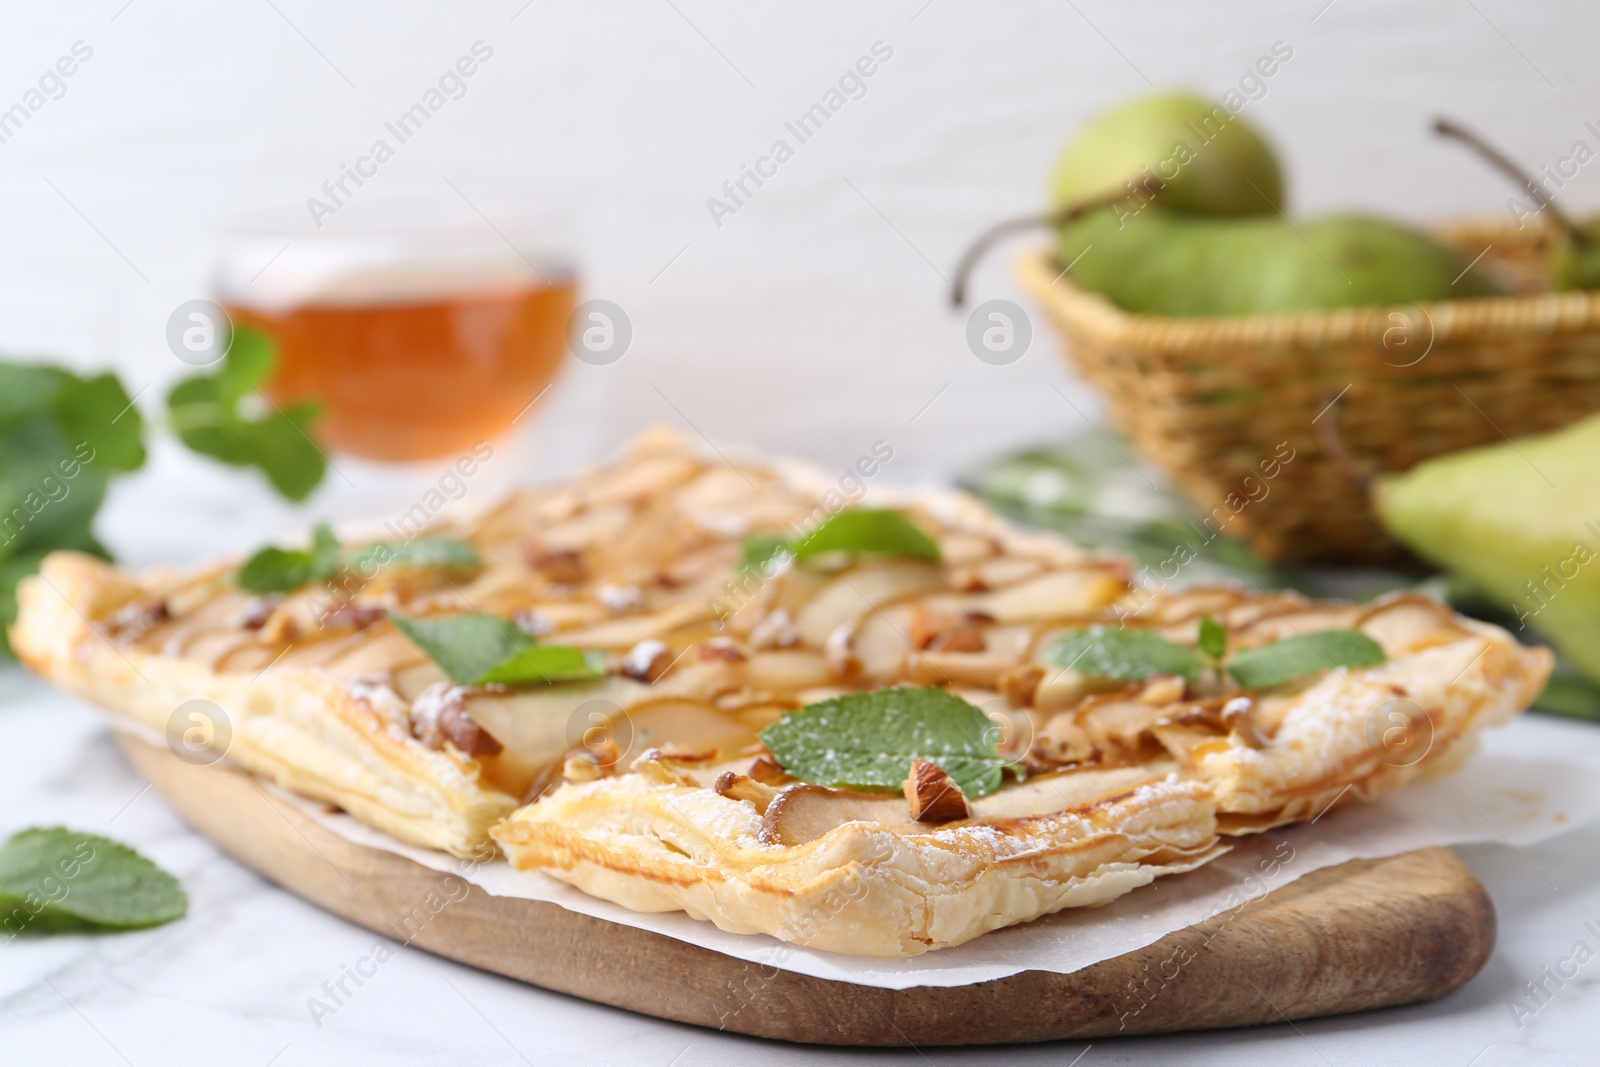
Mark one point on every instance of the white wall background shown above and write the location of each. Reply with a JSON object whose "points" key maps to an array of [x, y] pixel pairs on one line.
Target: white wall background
{"points": [[812, 321]]}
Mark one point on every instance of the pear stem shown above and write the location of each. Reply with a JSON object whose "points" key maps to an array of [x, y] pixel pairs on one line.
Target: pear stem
{"points": [[1001, 230], [1509, 167]]}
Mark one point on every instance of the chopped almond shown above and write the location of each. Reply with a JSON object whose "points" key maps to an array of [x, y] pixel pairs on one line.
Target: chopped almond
{"points": [[774, 631], [462, 730], [1019, 684], [958, 639], [934, 796], [1240, 723], [720, 649], [647, 660], [928, 625], [563, 566], [258, 609]]}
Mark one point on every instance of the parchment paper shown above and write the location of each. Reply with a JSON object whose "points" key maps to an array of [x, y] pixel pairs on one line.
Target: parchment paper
{"points": [[1497, 799]]}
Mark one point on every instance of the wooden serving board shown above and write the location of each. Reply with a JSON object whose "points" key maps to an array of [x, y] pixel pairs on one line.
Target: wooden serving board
{"points": [[1367, 934]]}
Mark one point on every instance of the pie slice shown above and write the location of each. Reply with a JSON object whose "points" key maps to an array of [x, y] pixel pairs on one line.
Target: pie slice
{"points": [[649, 784]]}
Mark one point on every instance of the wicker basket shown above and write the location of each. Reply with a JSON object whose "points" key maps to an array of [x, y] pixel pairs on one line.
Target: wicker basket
{"points": [[1354, 392]]}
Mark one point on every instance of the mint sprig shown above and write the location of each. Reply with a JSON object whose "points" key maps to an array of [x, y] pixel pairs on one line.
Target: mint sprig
{"points": [[1299, 657], [1138, 655], [63, 437], [1126, 655], [279, 570], [425, 553], [55, 879], [878, 531], [478, 649], [868, 740], [208, 413]]}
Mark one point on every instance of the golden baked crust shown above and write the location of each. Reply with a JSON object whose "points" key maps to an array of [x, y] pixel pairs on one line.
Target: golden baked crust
{"points": [[641, 560], [665, 836], [657, 839], [323, 695]]}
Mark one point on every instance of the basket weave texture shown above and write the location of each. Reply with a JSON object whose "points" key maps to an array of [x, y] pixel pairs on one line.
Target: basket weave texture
{"points": [[1349, 393]]}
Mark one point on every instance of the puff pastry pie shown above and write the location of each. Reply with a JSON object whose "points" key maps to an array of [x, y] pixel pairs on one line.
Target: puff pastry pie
{"points": [[649, 785]]}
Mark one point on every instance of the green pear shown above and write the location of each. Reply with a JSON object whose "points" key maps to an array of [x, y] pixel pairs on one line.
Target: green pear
{"points": [[1203, 159], [1357, 260], [1521, 520], [1161, 263], [1575, 259]]}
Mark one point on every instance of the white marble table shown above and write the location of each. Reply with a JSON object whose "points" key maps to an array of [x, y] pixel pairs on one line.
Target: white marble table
{"points": [[231, 981]]}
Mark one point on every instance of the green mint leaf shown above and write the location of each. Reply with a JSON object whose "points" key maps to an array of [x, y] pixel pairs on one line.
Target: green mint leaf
{"points": [[49, 491], [1213, 638], [1125, 655], [275, 570], [278, 570], [98, 412], [62, 437], [205, 411], [482, 649], [760, 549], [425, 553], [1298, 657], [545, 664], [249, 362], [28, 389], [466, 647], [868, 740], [280, 444], [325, 552], [868, 530], [58, 879]]}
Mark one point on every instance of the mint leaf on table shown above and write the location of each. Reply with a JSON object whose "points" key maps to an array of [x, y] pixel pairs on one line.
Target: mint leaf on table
{"points": [[55, 879], [425, 553], [881, 531], [1125, 655], [868, 740], [1298, 657], [207, 413], [480, 649]]}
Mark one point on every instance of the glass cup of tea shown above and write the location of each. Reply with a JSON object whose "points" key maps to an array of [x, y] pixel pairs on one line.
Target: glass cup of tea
{"points": [[417, 340]]}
